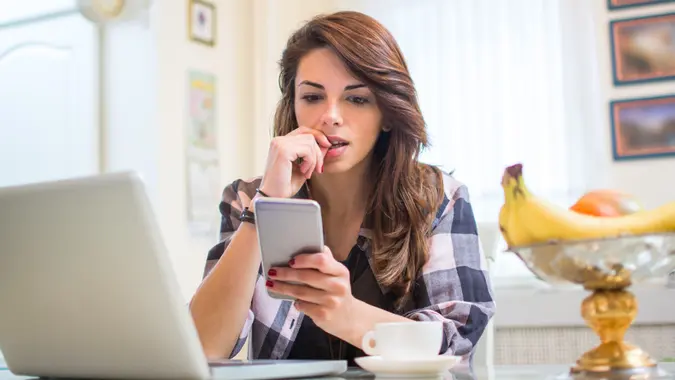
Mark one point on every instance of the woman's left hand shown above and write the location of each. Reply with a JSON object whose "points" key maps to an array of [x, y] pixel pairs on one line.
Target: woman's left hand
{"points": [[324, 292]]}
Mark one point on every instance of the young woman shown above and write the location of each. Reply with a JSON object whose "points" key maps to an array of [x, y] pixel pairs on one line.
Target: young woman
{"points": [[401, 237]]}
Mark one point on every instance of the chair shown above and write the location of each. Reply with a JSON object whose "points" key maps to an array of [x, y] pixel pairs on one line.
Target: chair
{"points": [[483, 356]]}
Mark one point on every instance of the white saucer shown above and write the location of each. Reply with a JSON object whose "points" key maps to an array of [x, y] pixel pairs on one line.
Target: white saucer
{"points": [[433, 366]]}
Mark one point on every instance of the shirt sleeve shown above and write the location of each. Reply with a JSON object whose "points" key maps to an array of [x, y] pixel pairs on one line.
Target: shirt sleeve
{"points": [[454, 286], [234, 197]]}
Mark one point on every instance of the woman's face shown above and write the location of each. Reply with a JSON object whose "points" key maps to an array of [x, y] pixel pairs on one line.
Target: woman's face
{"points": [[329, 98]]}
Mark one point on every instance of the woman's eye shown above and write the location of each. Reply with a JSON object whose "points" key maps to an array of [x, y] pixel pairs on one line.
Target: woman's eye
{"points": [[358, 100], [311, 98]]}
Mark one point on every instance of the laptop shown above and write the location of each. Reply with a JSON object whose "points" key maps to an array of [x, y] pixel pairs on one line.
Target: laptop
{"points": [[87, 289]]}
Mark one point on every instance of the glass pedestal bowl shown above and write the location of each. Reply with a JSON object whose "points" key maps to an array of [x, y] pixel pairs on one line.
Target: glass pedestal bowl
{"points": [[606, 268]]}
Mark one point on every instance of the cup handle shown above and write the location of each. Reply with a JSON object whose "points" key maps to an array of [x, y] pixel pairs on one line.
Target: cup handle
{"points": [[365, 343]]}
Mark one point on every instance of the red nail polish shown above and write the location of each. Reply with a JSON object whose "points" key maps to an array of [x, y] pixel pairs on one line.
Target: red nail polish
{"points": [[269, 284], [292, 262], [272, 272]]}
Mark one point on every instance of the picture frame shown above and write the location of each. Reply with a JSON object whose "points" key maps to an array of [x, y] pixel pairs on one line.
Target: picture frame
{"points": [[202, 153], [643, 127], [643, 49], [623, 4], [202, 22]]}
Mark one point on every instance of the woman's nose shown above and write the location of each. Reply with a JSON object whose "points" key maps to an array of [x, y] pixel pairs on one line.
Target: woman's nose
{"points": [[332, 115]]}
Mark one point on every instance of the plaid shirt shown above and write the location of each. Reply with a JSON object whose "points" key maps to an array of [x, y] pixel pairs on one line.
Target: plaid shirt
{"points": [[454, 286]]}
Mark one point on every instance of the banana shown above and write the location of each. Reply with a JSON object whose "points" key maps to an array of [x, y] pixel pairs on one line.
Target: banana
{"points": [[507, 213], [526, 219]]}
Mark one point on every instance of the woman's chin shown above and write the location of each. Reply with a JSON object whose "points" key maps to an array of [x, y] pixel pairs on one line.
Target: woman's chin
{"points": [[336, 167], [345, 163]]}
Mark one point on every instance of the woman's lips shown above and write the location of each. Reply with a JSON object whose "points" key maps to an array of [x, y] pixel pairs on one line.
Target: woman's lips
{"points": [[337, 149]]}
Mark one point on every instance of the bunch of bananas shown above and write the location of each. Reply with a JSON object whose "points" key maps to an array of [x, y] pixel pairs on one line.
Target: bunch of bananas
{"points": [[525, 219]]}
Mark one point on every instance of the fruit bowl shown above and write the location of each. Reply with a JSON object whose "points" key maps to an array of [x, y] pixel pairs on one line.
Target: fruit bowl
{"points": [[607, 263], [606, 267]]}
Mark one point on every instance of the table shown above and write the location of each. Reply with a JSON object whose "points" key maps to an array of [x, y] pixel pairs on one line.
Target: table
{"points": [[515, 372]]}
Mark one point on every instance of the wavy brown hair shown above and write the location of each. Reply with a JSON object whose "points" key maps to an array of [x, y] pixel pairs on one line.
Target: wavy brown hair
{"points": [[402, 207]]}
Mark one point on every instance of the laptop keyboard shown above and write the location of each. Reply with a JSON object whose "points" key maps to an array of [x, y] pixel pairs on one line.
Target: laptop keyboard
{"points": [[237, 363]]}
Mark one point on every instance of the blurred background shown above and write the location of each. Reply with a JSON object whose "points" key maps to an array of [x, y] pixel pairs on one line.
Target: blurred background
{"points": [[184, 91]]}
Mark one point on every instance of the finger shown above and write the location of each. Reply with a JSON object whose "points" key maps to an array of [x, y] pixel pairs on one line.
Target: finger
{"points": [[309, 162], [299, 131], [323, 152], [323, 262], [307, 166], [303, 152], [319, 158], [309, 277], [297, 172], [319, 136], [310, 168], [301, 292], [313, 310], [315, 162], [322, 140]]}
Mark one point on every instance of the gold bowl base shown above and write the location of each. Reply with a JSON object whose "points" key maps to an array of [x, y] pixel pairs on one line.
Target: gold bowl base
{"points": [[613, 356], [610, 312], [607, 268], [645, 373]]}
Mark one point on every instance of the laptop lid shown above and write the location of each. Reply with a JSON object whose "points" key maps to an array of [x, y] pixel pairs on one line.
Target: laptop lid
{"points": [[86, 286]]}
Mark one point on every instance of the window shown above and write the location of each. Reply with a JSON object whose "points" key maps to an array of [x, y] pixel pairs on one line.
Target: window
{"points": [[502, 82]]}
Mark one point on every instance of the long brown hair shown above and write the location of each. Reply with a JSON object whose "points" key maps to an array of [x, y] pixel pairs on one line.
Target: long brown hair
{"points": [[403, 205]]}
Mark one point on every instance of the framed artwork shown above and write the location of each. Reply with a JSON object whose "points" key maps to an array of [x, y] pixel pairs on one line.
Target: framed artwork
{"points": [[202, 156], [202, 22], [621, 4], [643, 49], [643, 127]]}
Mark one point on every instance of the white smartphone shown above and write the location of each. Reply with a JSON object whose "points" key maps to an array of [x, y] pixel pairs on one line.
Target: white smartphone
{"points": [[287, 227]]}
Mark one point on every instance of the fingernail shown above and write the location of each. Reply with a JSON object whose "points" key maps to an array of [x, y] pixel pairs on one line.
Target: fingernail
{"points": [[272, 272], [269, 284], [291, 262]]}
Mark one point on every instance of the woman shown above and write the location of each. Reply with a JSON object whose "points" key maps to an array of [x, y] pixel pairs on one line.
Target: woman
{"points": [[401, 237]]}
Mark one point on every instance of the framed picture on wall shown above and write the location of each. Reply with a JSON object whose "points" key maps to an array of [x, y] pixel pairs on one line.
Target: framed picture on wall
{"points": [[643, 127], [621, 4], [202, 22], [643, 49]]}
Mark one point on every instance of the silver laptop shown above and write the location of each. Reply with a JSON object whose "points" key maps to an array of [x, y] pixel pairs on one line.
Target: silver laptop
{"points": [[87, 289]]}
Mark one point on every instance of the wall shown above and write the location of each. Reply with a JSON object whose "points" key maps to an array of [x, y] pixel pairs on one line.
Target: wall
{"points": [[647, 179], [147, 63], [559, 318], [145, 90]]}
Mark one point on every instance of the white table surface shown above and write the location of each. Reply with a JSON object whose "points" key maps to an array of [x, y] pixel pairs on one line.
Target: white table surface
{"points": [[515, 372]]}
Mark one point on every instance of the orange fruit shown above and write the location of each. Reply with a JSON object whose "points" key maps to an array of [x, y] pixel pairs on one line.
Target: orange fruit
{"points": [[606, 202]]}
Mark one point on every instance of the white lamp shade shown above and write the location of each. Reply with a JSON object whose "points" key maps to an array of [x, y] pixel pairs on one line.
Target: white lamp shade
{"points": [[106, 11]]}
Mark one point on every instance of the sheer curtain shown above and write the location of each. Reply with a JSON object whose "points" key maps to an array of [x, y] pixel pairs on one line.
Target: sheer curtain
{"points": [[502, 82]]}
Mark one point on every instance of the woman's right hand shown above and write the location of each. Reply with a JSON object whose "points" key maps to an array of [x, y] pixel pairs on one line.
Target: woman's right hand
{"points": [[283, 175]]}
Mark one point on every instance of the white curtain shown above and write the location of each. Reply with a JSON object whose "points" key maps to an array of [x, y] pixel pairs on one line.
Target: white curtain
{"points": [[502, 82]]}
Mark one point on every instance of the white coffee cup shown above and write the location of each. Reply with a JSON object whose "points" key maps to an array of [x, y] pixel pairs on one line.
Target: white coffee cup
{"points": [[412, 340]]}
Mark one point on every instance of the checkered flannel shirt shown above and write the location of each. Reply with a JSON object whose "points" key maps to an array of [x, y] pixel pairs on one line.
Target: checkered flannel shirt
{"points": [[454, 286]]}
